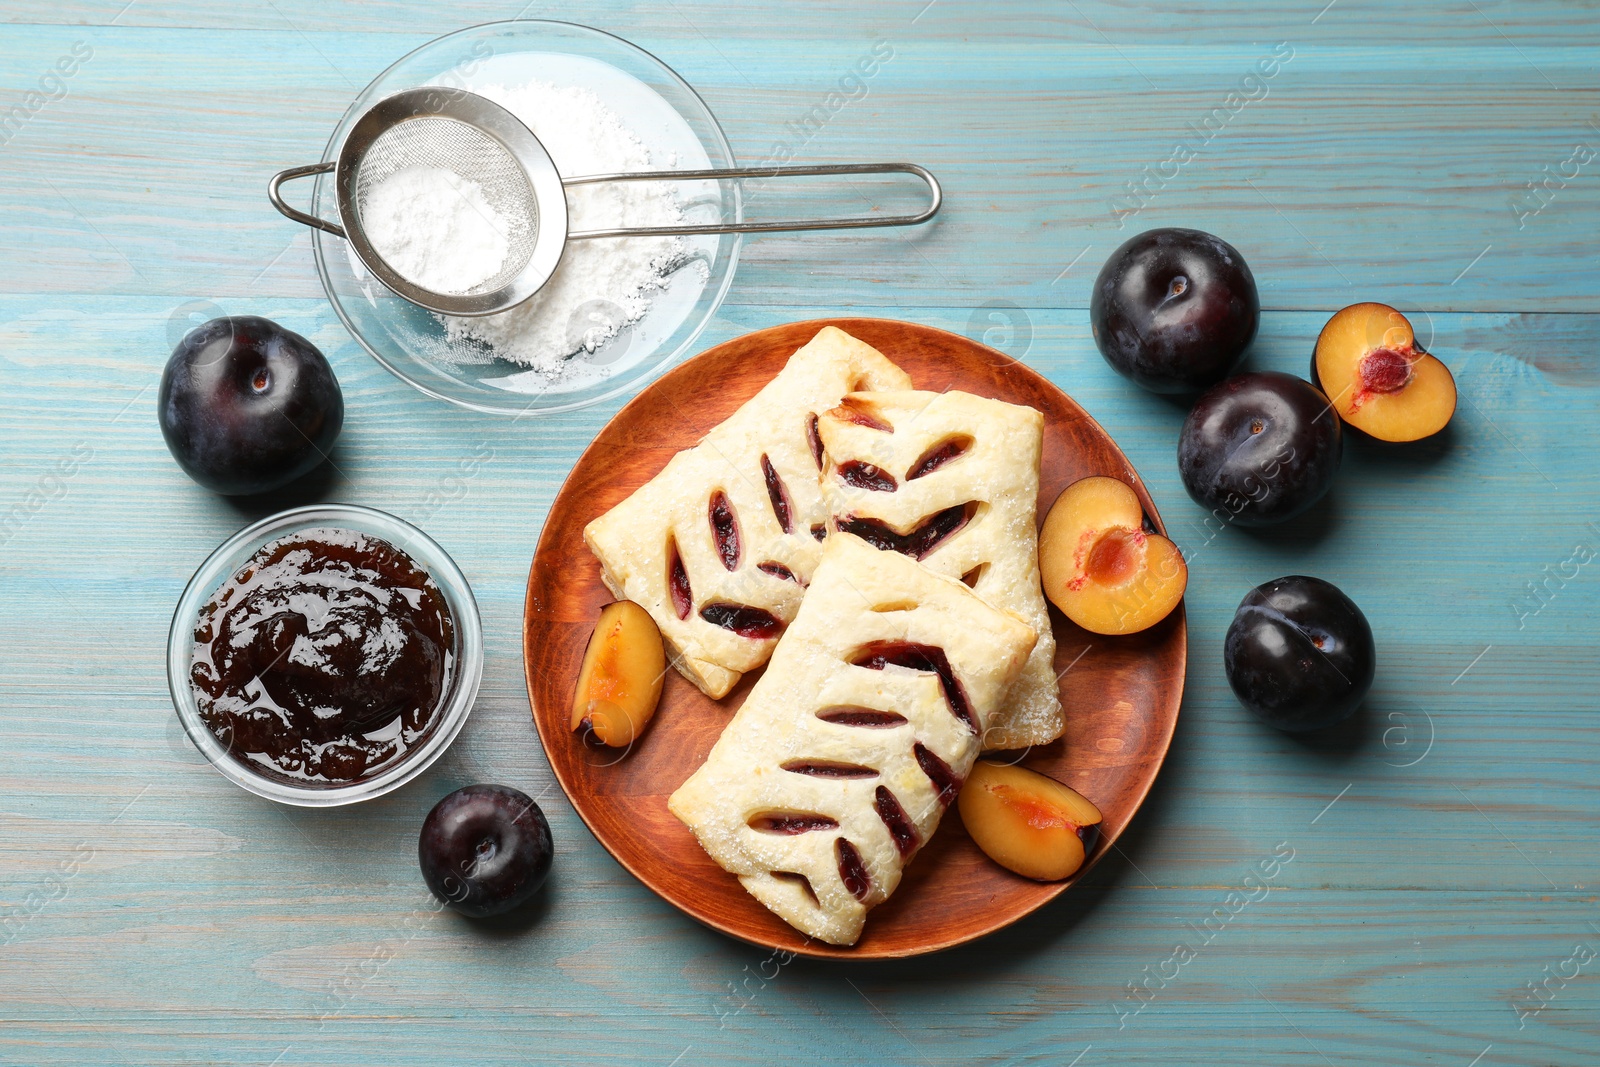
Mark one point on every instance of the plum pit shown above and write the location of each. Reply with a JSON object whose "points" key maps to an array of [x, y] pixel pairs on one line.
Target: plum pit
{"points": [[1114, 557], [1385, 370]]}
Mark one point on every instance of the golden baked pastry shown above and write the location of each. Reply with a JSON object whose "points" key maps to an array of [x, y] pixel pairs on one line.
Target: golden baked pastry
{"points": [[952, 479], [855, 739], [719, 546]]}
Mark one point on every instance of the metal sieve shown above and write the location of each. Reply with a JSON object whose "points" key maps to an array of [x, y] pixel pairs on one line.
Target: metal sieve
{"points": [[482, 142]]}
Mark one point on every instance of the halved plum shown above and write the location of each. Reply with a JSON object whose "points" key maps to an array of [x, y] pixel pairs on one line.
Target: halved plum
{"points": [[1101, 567], [1378, 378]]}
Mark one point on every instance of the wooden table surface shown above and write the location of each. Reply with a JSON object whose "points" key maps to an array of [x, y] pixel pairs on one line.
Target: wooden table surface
{"points": [[1433, 892]]}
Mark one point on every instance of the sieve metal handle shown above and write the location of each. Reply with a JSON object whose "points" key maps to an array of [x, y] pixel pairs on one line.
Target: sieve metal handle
{"points": [[275, 194], [848, 222]]}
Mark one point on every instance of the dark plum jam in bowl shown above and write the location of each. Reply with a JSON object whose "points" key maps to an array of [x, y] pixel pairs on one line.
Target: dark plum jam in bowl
{"points": [[325, 655]]}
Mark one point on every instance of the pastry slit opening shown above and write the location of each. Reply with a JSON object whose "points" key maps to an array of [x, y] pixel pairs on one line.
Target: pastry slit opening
{"points": [[778, 570], [918, 657], [895, 819], [678, 580], [742, 619], [853, 870], [945, 781], [920, 541], [937, 456], [778, 493], [790, 823], [802, 881], [860, 474], [862, 412], [853, 715], [821, 768], [725, 529]]}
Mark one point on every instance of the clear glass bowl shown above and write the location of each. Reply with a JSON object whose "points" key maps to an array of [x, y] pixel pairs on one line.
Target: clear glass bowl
{"points": [[661, 108], [232, 554]]}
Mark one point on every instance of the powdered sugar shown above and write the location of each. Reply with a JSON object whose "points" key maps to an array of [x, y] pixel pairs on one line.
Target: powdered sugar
{"points": [[437, 229], [601, 285]]}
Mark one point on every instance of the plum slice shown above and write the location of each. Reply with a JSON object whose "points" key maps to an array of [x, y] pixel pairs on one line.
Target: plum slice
{"points": [[678, 581], [862, 475], [938, 456], [928, 535], [819, 531], [744, 620], [1028, 823], [814, 439], [894, 817], [850, 715], [852, 871], [778, 493], [791, 822], [822, 768], [944, 779], [619, 684], [918, 657], [725, 528]]}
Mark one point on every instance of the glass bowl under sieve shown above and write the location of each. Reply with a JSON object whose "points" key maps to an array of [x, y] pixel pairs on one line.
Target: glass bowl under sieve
{"points": [[648, 96]]}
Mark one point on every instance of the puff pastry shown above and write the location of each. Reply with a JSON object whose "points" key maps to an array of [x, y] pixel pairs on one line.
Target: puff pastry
{"points": [[850, 746], [952, 479], [719, 546]]}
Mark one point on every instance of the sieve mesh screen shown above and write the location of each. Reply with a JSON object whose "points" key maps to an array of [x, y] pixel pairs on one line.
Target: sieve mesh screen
{"points": [[435, 141]]}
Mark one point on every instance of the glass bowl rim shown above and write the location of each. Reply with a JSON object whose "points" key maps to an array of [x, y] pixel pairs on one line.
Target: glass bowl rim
{"points": [[319, 253], [227, 557]]}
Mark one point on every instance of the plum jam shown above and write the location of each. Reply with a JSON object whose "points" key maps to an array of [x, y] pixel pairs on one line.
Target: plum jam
{"points": [[944, 778], [324, 659], [938, 456], [917, 657], [755, 623], [928, 535], [862, 475], [725, 530], [894, 817], [791, 823], [853, 870], [778, 493]]}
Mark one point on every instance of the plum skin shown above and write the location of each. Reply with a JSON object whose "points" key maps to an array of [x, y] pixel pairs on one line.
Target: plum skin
{"points": [[1260, 448], [1174, 310], [485, 850], [247, 406], [1299, 654]]}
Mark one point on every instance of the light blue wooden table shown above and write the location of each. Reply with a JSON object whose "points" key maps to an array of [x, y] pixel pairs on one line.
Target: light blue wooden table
{"points": [[1435, 900]]}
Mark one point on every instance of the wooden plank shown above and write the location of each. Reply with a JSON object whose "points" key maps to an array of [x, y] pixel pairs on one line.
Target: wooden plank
{"points": [[1362, 170], [1297, 975], [1535, 23]]}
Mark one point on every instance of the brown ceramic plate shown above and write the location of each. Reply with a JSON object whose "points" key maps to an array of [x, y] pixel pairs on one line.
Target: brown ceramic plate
{"points": [[1121, 693]]}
